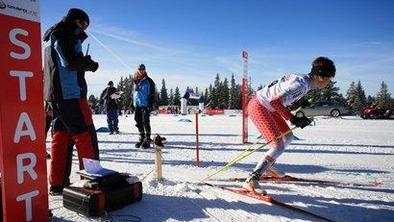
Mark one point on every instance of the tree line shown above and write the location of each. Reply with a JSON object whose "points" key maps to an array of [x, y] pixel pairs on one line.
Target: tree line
{"points": [[227, 94]]}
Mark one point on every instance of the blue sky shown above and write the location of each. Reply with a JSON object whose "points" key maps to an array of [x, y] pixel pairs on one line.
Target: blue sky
{"points": [[188, 41]]}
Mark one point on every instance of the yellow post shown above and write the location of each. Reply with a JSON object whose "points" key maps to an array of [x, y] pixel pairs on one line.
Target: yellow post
{"points": [[158, 162]]}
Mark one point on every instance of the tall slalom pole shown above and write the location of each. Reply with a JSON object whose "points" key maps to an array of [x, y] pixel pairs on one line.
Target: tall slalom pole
{"points": [[245, 56]]}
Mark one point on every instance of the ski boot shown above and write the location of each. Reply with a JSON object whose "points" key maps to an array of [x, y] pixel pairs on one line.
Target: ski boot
{"points": [[140, 141], [146, 143], [252, 184]]}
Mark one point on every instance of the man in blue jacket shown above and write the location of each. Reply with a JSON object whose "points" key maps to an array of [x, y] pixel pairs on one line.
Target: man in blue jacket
{"points": [[65, 90], [144, 102]]}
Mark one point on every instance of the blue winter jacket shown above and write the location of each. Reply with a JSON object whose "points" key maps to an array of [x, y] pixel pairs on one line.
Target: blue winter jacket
{"points": [[64, 62], [144, 93]]}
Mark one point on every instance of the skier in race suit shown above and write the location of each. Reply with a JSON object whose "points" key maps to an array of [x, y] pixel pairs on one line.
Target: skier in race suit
{"points": [[267, 110]]}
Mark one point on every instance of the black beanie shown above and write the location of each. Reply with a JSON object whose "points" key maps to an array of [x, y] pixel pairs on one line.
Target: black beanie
{"points": [[76, 13], [323, 66], [141, 67]]}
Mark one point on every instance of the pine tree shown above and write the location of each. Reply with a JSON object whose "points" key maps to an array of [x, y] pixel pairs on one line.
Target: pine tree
{"points": [[351, 96], [383, 98], [210, 97], [223, 94], [233, 93], [371, 100], [177, 97], [331, 93], [238, 98], [126, 86], [356, 97], [215, 93], [206, 96], [163, 98], [171, 99], [361, 97]]}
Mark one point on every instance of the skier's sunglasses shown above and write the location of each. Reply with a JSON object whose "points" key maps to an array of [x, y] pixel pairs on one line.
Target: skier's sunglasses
{"points": [[326, 77]]}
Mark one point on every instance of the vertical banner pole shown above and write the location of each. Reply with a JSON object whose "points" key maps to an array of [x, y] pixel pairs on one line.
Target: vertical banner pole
{"points": [[24, 185], [197, 143], [245, 57]]}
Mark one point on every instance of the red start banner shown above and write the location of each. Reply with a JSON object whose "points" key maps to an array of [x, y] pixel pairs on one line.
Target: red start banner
{"points": [[22, 147]]}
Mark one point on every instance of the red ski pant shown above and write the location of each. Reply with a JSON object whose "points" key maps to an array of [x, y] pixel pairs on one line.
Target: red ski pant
{"points": [[271, 125], [72, 124]]}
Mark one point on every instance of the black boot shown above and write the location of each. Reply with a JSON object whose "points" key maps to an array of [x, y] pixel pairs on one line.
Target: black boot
{"points": [[147, 136], [56, 190], [147, 141], [145, 144], [140, 140]]}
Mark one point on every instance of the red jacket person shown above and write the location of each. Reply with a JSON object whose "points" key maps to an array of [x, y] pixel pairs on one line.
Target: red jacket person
{"points": [[65, 90]]}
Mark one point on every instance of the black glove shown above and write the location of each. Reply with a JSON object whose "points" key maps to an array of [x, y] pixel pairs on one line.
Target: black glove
{"points": [[90, 64], [300, 122]]}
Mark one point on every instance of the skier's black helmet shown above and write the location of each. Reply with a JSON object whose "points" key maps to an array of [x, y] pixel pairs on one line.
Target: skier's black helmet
{"points": [[323, 66], [110, 83], [141, 67], [76, 13]]}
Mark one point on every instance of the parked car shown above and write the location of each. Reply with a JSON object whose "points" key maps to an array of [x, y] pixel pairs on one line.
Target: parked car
{"points": [[324, 109], [374, 113]]}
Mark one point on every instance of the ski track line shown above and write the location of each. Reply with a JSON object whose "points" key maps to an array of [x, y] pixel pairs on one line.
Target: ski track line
{"points": [[233, 214], [206, 211], [316, 194], [241, 215], [225, 215]]}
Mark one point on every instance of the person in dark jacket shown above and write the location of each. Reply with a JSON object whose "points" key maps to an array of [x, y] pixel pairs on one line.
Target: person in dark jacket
{"points": [[65, 90], [144, 102], [111, 106]]}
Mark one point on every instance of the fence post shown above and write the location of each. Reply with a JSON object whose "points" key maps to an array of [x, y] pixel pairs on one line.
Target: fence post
{"points": [[197, 143]]}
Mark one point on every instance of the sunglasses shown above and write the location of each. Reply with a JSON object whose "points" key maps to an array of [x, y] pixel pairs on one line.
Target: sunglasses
{"points": [[322, 78]]}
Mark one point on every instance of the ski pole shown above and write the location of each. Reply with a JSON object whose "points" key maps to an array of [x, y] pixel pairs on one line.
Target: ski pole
{"points": [[243, 155], [239, 157], [235, 159], [87, 50]]}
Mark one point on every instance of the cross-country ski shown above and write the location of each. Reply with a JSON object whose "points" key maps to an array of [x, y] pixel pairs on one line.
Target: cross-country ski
{"points": [[268, 199], [300, 180], [196, 111]]}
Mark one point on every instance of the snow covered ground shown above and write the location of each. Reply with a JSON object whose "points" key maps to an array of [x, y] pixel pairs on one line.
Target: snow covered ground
{"points": [[349, 150]]}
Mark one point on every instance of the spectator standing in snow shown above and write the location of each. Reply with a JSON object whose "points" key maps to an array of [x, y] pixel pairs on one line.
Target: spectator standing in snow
{"points": [[111, 106], [144, 102], [65, 90], [268, 112]]}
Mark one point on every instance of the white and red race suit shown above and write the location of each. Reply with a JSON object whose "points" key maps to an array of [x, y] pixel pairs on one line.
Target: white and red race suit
{"points": [[283, 92], [268, 112]]}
